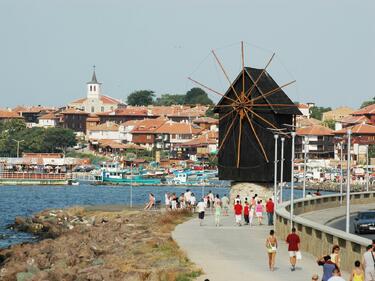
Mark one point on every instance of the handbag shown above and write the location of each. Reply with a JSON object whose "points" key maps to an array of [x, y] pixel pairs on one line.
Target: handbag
{"points": [[298, 255], [271, 248]]}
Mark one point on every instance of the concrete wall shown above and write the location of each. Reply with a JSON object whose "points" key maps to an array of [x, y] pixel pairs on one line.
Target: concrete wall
{"points": [[318, 239]]}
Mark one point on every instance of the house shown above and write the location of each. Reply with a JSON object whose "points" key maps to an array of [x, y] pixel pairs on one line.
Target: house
{"points": [[95, 101], [351, 120], [171, 134], [6, 115], [144, 133], [126, 128], [207, 123], [337, 114], [31, 114], [105, 131], [125, 114], [306, 122], [317, 140], [74, 119], [48, 120], [201, 147], [362, 136]]}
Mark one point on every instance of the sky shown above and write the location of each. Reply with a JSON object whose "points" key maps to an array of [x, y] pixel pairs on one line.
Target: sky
{"points": [[48, 47]]}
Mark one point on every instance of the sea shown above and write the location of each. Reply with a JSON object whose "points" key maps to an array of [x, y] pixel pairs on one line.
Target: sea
{"points": [[27, 200]]}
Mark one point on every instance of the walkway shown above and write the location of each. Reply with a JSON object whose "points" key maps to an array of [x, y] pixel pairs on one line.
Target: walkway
{"points": [[238, 253]]}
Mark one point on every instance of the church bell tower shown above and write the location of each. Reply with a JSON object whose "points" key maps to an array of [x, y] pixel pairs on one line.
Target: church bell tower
{"points": [[93, 87]]}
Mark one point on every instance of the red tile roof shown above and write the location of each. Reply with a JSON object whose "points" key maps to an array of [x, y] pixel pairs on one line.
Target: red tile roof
{"points": [[315, 130], [48, 116], [178, 128], [148, 125], [200, 141], [206, 120], [73, 111], [6, 114], [359, 129], [356, 119], [370, 109], [126, 112], [103, 99]]}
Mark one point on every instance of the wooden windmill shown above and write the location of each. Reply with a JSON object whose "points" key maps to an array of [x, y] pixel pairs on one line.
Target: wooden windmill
{"points": [[250, 111]]}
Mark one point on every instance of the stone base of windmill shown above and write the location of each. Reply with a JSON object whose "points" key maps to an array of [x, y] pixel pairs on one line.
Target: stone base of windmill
{"points": [[248, 189]]}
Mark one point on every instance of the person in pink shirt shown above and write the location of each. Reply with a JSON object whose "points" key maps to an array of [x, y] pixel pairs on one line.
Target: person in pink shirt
{"points": [[259, 211]]}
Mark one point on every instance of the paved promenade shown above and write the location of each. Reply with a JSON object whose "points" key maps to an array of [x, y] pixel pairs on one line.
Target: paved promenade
{"points": [[236, 253]]}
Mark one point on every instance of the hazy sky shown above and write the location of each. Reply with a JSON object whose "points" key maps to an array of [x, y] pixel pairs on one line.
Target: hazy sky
{"points": [[48, 47]]}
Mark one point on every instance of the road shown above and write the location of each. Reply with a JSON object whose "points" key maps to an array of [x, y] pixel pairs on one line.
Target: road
{"points": [[340, 224], [236, 253]]}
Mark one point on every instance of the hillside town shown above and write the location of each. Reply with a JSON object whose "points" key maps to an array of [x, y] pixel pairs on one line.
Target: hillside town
{"points": [[184, 134]]}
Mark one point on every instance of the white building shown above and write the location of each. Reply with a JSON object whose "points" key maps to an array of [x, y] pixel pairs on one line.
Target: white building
{"points": [[95, 101], [48, 120], [106, 131]]}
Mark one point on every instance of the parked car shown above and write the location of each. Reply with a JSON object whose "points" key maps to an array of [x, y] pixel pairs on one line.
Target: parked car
{"points": [[364, 222]]}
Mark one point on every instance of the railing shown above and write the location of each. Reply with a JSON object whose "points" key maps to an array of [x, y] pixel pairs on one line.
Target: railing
{"points": [[318, 239], [32, 176]]}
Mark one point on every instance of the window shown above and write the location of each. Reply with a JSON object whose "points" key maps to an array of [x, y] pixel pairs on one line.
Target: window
{"points": [[102, 109], [90, 88], [94, 88], [92, 109], [148, 137]]}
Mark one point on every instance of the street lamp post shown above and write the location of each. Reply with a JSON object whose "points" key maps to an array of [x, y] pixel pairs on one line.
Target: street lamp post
{"points": [[275, 171], [293, 134], [341, 171], [282, 170], [131, 185], [367, 175], [305, 143], [18, 146], [349, 132]]}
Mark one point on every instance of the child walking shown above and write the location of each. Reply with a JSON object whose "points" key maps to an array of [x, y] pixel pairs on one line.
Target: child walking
{"points": [[357, 272], [246, 212]]}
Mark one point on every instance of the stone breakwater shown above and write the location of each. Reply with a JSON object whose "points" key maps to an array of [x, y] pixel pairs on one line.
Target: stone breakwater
{"points": [[98, 245]]}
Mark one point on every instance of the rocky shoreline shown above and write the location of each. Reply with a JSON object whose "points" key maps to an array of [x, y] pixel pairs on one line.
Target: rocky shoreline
{"points": [[82, 244]]}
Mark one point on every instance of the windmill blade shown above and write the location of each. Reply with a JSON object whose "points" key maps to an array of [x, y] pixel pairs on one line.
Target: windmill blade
{"points": [[274, 104], [239, 141], [271, 92], [211, 90], [243, 67], [257, 138], [226, 135], [226, 114], [266, 121], [257, 80], [226, 75]]}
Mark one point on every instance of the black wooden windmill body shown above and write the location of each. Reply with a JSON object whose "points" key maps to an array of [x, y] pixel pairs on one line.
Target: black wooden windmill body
{"points": [[250, 112]]}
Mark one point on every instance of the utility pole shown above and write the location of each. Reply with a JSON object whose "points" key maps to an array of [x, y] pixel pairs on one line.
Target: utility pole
{"points": [[276, 136], [282, 170], [18, 146], [305, 146], [349, 132], [293, 134], [367, 175], [341, 171]]}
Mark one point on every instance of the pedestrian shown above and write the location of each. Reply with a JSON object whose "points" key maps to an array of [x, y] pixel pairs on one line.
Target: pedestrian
{"points": [[336, 275], [357, 272], [151, 201], [201, 209], [238, 212], [251, 214], [167, 201], [368, 264], [246, 212], [335, 255], [187, 197], [173, 201], [328, 267], [293, 241], [309, 195], [270, 206], [225, 204], [193, 202], [211, 199], [217, 207], [259, 211], [271, 245]]}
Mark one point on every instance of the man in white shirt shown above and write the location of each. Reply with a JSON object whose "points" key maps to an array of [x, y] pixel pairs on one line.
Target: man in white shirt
{"points": [[201, 208], [225, 204]]}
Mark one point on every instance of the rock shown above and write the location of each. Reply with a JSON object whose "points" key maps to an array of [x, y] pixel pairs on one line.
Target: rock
{"points": [[247, 189]]}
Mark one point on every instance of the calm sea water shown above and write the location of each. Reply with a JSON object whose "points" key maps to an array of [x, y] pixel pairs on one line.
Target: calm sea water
{"points": [[26, 200]]}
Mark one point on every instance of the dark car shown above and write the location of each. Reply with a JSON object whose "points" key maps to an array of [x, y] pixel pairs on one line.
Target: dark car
{"points": [[364, 222]]}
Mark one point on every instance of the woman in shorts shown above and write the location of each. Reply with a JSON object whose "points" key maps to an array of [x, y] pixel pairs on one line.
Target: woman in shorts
{"points": [[259, 211], [271, 245]]}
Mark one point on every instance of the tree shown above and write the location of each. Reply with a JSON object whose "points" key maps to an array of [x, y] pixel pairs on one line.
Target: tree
{"points": [[210, 112], [317, 112], [329, 123], [368, 102], [142, 97], [169, 99], [59, 139], [197, 96]]}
